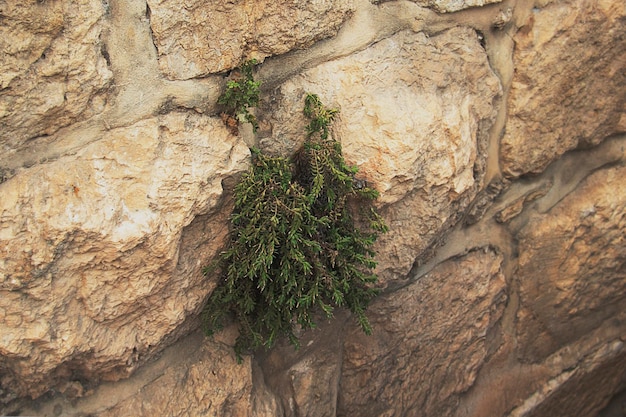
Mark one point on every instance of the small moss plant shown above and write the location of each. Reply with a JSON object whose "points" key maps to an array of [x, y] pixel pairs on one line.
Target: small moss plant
{"points": [[242, 92], [294, 248]]}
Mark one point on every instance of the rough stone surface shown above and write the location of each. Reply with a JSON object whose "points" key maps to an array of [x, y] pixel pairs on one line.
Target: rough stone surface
{"points": [[414, 114], [197, 377], [209, 382], [427, 347], [617, 404], [448, 6], [89, 249], [52, 71], [571, 265], [115, 174], [197, 37], [569, 87]]}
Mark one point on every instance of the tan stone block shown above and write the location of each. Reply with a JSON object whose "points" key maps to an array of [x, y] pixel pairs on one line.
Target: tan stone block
{"points": [[90, 245], [200, 37], [54, 73], [569, 86], [570, 269], [429, 341]]}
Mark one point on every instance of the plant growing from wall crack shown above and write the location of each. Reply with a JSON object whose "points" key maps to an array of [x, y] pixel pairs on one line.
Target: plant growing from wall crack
{"points": [[294, 248], [242, 92]]}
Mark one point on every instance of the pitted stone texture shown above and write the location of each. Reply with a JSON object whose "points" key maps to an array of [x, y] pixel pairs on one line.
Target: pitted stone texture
{"points": [[571, 266], [569, 86], [415, 113], [27, 30], [90, 278], [199, 37], [428, 344], [194, 377], [53, 72], [448, 6]]}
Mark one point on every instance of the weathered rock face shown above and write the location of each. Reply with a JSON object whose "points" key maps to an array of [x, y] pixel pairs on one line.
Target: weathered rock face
{"points": [[90, 244], [447, 6], [594, 378], [196, 38], [115, 179], [407, 353], [54, 72], [192, 378], [569, 64], [571, 265], [308, 379]]}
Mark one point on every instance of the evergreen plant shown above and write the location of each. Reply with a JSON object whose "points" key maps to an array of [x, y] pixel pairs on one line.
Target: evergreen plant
{"points": [[294, 247], [242, 92]]}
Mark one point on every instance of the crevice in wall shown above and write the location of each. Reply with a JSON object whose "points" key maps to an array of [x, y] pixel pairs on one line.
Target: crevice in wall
{"points": [[370, 24], [148, 15]]}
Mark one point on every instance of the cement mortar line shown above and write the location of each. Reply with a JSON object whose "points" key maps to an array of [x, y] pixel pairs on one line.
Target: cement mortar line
{"points": [[563, 177], [143, 92], [143, 76], [499, 45], [369, 24], [372, 23]]}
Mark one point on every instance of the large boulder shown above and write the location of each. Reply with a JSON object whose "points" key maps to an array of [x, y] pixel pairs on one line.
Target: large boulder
{"points": [[90, 276]]}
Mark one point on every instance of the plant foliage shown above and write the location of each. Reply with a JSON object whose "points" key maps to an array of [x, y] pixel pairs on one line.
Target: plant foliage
{"points": [[242, 92], [294, 248]]}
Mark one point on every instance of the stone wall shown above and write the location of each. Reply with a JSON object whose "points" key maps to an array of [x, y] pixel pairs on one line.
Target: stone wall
{"points": [[493, 129]]}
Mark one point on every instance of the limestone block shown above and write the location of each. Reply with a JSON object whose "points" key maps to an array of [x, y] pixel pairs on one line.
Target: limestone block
{"points": [[90, 276], [52, 71], [571, 266], [199, 37], [428, 344], [414, 114], [569, 86], [448, 6]]}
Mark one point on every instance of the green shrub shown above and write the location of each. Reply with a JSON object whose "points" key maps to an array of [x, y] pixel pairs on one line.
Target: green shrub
{"points": [[294, 248], [242, 92]]}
